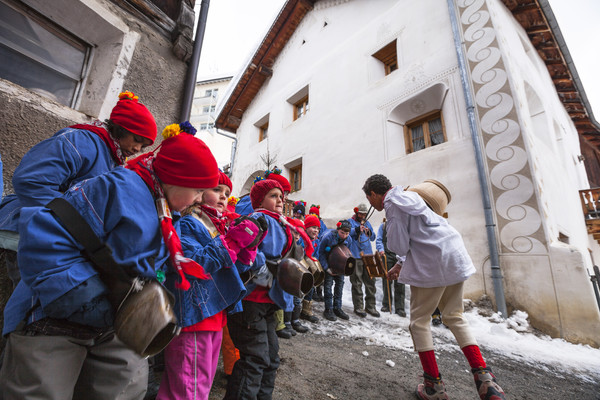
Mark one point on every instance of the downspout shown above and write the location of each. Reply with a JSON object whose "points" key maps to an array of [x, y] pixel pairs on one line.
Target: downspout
{"points": [[483, 182], [190, 79], [233, 147]]}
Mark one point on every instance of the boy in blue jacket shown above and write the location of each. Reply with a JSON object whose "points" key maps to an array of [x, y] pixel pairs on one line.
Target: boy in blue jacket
{"points": [[72, 155], [333, 302], [362, 234], [59, 320]]}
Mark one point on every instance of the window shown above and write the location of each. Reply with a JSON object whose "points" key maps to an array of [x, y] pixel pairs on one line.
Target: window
{"points": [[207, 109], [296, 178], [300, 108], [299, 104], [211, 92], [263, 131], [426, 131], [39, 55], [204, 127], [388, 57]]}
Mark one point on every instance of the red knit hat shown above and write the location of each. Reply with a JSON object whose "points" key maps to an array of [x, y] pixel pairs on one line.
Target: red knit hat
{"points": [[275, 174], [224, 180], [185, 160], [134, 116], [312, 220], [314, 210], [260, 189], [296, 222]]}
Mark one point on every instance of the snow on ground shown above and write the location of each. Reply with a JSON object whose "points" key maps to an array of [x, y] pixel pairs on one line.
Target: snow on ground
{"points": [[512, 338]]}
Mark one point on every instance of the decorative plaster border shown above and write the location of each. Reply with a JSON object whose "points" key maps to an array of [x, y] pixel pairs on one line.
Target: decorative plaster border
{"points": [[515, 204]]}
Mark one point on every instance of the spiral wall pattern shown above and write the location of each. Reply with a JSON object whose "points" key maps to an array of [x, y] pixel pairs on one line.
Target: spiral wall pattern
{"points": [[518, 218]]}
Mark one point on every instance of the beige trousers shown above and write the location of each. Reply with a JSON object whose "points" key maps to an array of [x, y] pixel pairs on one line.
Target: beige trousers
{"points": [[449, 299], [61, 367]]}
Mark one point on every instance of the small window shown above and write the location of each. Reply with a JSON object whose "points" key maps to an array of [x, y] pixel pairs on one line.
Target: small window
{"points": [[207, 126], [296, 178], [426, 131], [388, 57], [300, 108], [205, 109], [39, 55], [211, 93], [263, 132]]}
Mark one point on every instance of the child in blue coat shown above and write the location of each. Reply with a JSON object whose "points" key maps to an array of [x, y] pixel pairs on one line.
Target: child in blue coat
{"points": [[59, 320], [72, 155], [253, 330], [191, 358]]}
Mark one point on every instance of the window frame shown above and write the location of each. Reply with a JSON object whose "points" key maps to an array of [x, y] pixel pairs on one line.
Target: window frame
{"points": [[388, 56], [301, 104], [296, 170], [66, 36], [423, 120], [263, 131]]}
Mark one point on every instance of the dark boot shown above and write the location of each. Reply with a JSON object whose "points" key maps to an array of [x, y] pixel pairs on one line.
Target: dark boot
{"points": [[296, 324], [436, 317], [287, 320], [284, 333], [486, 384], [307, 312], [340, 314], [431, 388], [318, 295], [328, 315]]}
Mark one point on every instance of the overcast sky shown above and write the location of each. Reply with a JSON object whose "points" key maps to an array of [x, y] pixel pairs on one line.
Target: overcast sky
{"points": [[234, 28]]}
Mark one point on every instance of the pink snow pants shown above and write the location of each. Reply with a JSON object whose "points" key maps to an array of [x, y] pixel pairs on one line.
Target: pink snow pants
{"points": [[190, 365]]}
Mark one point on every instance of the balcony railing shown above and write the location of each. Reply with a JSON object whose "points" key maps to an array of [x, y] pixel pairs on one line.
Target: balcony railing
{"points": [[590, 202]]}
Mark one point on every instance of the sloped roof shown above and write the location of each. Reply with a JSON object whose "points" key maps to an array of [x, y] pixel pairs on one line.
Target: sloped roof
{"points": [[535, 16]]}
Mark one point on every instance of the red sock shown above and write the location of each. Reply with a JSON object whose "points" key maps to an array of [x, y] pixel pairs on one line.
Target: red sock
{"points": [[429, 364], [474, 356]]}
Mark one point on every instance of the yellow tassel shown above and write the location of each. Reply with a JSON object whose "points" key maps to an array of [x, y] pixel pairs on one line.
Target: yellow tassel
{"points": [[128, 96], [171, 131]]}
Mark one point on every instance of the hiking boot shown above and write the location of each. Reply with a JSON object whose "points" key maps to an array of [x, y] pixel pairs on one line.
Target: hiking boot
{"points": [[307, 312], [328, 315], [431, 388], [340, 314], [436, 319], [318, 294], [360, 313], [373, 312], [486, 384], [284, 333], [401, 313], [298, 327], [288, 327], [385, 309]]}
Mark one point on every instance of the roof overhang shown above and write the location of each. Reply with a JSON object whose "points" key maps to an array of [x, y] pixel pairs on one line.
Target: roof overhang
{"points": [[535, 16]]}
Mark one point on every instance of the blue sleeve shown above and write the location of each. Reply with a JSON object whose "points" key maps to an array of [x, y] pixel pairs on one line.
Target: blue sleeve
{"points": [[122, 214], [379, 240], [51, 166], [244, 206], [274, 242], [198, 245], [373, 236], [324, 248]]}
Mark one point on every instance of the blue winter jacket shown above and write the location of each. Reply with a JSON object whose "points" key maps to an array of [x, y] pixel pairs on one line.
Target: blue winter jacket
{"points": [[51, 167], [360, 242], [244, 206], [57, 280], [271, 248], [323, 229], [328, 242], [224, 289]]}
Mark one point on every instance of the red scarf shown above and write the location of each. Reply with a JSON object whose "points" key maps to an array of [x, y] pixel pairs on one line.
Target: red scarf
{"points": [[99, 129], [308, 247], [219, 221], [142, 165]]}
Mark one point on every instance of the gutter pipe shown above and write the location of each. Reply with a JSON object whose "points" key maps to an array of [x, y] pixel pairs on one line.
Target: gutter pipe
{"points": [[192, 71], [483, 182]]}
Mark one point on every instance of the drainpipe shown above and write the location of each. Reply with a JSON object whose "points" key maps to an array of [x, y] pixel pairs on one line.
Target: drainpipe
{"points": [[190, 79], [483, 182], [233, 147]]}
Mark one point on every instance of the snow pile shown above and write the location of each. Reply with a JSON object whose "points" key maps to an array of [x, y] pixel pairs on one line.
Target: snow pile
{"points": [[512, 338]]}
